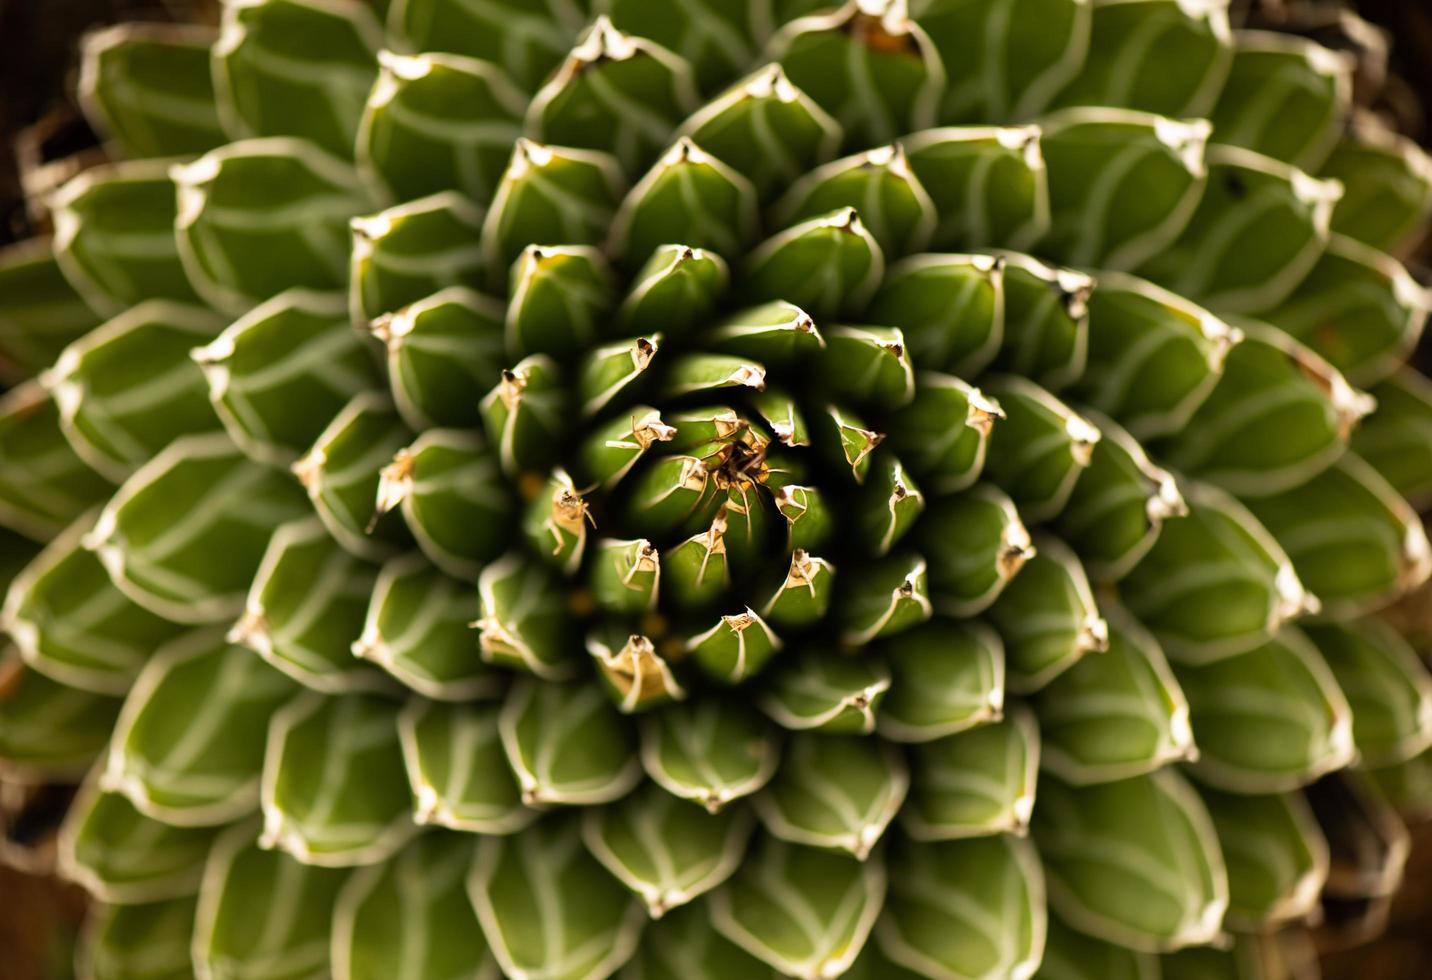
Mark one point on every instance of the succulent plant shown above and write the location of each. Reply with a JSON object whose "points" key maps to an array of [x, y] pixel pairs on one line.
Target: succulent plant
{"points": [[572, 488]]}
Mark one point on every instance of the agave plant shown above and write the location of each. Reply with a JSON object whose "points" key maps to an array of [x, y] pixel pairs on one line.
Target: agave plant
{"points": [[719, 490]]}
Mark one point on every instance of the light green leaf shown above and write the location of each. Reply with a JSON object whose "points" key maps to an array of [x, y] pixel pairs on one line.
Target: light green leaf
{"points": [[410, 919], [612, 374], [138, 942], [261, 216], [1396, 440], [684, 943], [826, 691], [549, 910], [983, 544], [827, 265], [40, 312], [280, 373], [1047, 617], [1039, 449], [44, 485], [965, 909], [560, 294], [457, 768], [988, 184], [637, 677], [1277, 857], [185, 534], [567, 744], [1073, 955], [1387, 185], [1134, 862], [334, 792], [711, 751], [410, 251], [688, 196], [947, 458], [305, 610], [262, 915], [527, 39], [296, 68], [1269, 720], [189, 744], [946, 677], [436, 122], [1046, 321], [1386, 685], [524, 412], [975, 783], [737, 647], [48, 731], [70, 622], [716, 38], [883, 598], [666, 852], [835, 792], [524, 621], [674, 291], [148, 86], [120, 855], [881, 184]]}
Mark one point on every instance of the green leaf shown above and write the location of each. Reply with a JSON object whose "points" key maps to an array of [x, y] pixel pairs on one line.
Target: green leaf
{"points": [[296, 68], [886, 506], [70, 622], [716, 38], [1046, 321], [1286, 97], [48, 731], [120, 855], [883, 598], [1122, 184], [975, 783], [555, 523], [1005, 63], [305, 610], [548, 908], [711, 751], [457, 768], [550, 195], [40, 312], [1160, 56], [1387, 185], [1256, 234], [1396, 440], [988, 185], [343, 470], [1047, 617], [685, 943], [1119, 506], [1279, 415], [984, 544], [452, 497], [1277, 857], [765, 128], [410, 251], [965, 909], [870, 66], [612, 449], [947, 458], [674, 291], [625, 575], [809, 520], [1039, 449], [881, 183], [835, 792], [114, 235], [189, 744], [44, 485], [334, 789], [1153, 357], [666, 852], [1354, 542], [559, 296], [129, 388], [1406, 786], [737, 647], [947, 676], [688, 196], [1358, 308], [826, 691], [524, 412], [148, 87], [827, 265], [567, 744], [440, 350], [868, 365], [1117, 715], [1386, 685], [262, 908], [185, 534], [524, 621], [1135, 862], [613, 373], [265, 215], [138, 942], [418, 628], [637, 676], [1216, 583], [803, 598], [614, 92], [1269, 720], [279, 374], [410, 918], [435, 122], [1073, 955], [527, 39], [844, 439]]}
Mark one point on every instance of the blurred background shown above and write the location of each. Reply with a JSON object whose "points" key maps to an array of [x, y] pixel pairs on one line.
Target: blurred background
{"points": [[44, 140]]}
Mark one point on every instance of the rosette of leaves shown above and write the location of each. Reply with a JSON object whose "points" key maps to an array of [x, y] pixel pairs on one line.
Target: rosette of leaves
{"points": [[565, 489]]}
